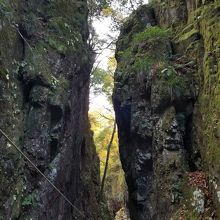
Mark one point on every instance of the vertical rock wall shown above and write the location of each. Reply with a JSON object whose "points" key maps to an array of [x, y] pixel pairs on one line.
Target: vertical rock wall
{"points": [[166, 105], [45, 64]]}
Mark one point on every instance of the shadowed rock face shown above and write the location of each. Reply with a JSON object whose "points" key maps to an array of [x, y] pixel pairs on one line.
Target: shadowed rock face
{"points": [[44, 89], [152, 116], [167, 146]]}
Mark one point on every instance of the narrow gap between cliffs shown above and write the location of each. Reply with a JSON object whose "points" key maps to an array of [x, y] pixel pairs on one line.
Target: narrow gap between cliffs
{"points": [[104, 31]]}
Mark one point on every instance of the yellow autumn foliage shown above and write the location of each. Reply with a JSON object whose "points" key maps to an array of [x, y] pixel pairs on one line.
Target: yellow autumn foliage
{"points": [[102, 127], [107, 11]]}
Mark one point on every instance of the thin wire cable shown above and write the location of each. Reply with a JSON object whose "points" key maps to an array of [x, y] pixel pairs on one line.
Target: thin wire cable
{"points": [[35, 167]]}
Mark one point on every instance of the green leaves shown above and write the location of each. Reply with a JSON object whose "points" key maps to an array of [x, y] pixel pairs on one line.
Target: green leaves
{"points": [[30, 200], [102, 82], [5, 10], [58, 45], [171, 77], [141, 64]]}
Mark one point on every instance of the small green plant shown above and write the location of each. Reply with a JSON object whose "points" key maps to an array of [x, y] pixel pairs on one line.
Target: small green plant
{"points": [[176, 192], [58, 45], [170, 75], [19, 65], [30, 200], [141, 64], [4, 74], [5, 10], [126, 54]]}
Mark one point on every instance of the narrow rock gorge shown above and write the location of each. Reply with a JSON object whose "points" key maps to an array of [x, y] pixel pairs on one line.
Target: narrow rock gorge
{"points": [[166, 99], [45, 66]]}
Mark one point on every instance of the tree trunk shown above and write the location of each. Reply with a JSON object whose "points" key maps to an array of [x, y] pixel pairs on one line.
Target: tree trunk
{"points": [[107, 159]]}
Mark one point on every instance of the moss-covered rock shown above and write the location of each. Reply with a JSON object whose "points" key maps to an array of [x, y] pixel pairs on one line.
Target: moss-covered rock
{"points": [[153, 99], [44, 86]]}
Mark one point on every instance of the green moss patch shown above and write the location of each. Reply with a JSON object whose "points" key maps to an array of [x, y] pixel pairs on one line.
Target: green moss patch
{"points": [[145, 50], [151, 34]]}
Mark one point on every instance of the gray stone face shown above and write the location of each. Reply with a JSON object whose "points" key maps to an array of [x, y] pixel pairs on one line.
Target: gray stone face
{"points": [[152, 112], [44, 96]]}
